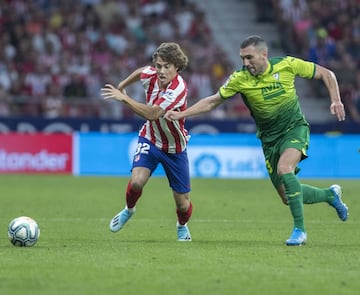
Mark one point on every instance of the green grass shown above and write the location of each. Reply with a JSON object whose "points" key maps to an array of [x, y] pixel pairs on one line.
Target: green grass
{"points": [[238, 229]]}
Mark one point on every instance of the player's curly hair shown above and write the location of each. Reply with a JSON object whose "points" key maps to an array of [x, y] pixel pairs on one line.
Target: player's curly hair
{"points": [[171, 52]]}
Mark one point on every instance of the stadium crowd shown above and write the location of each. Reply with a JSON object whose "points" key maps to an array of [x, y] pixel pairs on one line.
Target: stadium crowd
{"points": [[326, 32], [56, 55]]}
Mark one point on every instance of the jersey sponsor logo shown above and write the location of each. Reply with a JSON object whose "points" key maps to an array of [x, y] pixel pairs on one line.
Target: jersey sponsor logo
{"points": [[273, 90], [38, 161]]}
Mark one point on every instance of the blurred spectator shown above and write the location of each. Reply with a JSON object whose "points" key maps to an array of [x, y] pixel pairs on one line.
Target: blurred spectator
{"points": [[38, 80], [199, 81], [264, 11], [52, 104], [352, 99], [76, 87], [323, 50], [4, 102]]}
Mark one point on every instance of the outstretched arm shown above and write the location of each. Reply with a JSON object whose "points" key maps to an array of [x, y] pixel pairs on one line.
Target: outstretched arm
{"points": [[330, 81], [202, 106], [147, 112], [132, 78]]}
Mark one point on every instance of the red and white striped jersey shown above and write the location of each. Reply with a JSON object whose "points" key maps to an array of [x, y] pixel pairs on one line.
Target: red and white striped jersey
{"points": [[169, 136]]}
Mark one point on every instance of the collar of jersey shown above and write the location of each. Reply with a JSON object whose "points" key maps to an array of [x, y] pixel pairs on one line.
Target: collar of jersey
{"points": [[268, 70]]}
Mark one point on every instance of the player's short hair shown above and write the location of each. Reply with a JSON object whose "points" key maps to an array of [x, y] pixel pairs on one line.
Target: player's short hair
{"points": [[255, 41], [171, 52]]}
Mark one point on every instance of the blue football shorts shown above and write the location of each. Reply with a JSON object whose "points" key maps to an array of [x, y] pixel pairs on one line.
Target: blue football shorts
{"points": [[176, 166]]}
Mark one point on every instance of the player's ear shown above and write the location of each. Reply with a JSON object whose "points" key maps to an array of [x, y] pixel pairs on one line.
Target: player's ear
{"points": [[264, 53]]}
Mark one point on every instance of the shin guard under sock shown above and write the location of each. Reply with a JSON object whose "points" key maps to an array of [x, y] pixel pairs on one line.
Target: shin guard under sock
{"points": [[132, 196], [312, 195], [294, 195], [184, 216]]}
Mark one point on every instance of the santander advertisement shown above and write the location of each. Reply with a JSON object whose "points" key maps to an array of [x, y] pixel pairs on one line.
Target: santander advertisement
{"points": [[36, 153]]}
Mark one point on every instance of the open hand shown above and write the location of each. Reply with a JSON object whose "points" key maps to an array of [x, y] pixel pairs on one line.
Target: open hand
{"points": [[337, 108], [172, 115], [109, 91]]}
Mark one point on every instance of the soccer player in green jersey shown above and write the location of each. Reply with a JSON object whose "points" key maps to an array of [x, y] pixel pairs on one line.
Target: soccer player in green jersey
{"points": [[267, 86]]}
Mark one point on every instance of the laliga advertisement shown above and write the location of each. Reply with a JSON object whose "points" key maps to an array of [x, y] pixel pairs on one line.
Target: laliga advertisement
{"points": [[210, 156], [35, 153], [227, 162], [226, 156]]}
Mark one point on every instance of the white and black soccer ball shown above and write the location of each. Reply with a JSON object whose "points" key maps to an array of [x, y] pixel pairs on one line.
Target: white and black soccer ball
{"points": [[23, 231]]}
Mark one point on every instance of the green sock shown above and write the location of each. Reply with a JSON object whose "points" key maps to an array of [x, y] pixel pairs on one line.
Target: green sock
{"points": [[312, 195], [295, 199]]}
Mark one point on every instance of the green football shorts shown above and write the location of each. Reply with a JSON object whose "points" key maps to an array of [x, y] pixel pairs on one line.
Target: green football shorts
{"points": [[298, 138]]}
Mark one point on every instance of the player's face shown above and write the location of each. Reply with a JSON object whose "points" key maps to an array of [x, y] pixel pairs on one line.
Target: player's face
{"points": [[165, 71], [254, 59]]}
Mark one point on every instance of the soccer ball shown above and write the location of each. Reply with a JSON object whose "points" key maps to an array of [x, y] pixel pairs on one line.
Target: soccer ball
{"points": [[23, 232]]}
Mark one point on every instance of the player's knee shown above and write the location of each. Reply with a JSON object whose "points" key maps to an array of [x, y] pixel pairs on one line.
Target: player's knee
{"points": [[182, 203], [284, 169], [136, 185], [183, 207]]}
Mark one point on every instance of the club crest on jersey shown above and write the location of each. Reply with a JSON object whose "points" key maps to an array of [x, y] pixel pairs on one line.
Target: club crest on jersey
{"points": [[276, 76], [168, 93], [136, 158]]}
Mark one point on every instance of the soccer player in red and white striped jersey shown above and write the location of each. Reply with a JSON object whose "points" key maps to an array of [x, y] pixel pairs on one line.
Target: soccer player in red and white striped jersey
{"points": [[170, 137], [160, 140]]}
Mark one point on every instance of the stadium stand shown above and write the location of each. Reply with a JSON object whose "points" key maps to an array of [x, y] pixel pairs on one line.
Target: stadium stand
{"points": [[56, 55]]}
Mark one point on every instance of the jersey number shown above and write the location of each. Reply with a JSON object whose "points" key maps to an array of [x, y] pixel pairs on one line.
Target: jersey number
{"points": [[142, 148]]}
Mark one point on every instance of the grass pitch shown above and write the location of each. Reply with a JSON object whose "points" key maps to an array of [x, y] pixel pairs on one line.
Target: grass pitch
{"points": [[238, 228]]}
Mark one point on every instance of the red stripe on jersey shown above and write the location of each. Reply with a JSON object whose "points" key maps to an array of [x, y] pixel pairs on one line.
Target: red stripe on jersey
{"points": [[151, 88], [182, 127], [147, 131], [164, 139], [145, 75], [179, 98], [176, 136], [152, 132], [142, 132], [174, 83]]}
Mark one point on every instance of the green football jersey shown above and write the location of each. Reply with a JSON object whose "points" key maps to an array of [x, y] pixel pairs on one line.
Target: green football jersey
{"points": [[271, 97]]}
